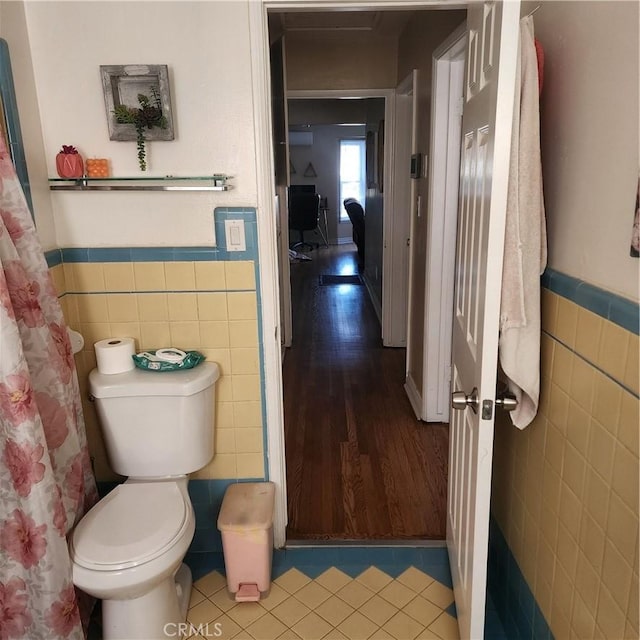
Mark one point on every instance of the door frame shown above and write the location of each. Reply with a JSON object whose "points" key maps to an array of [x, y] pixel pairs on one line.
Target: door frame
{"points": [[444, 180], [273, 411]]}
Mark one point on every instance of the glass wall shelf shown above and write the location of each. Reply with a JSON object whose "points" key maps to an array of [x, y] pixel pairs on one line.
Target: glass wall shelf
{"points": [[215, 182]]}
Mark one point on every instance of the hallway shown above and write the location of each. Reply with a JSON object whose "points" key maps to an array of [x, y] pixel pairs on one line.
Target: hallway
{"points": [[359, 464]]}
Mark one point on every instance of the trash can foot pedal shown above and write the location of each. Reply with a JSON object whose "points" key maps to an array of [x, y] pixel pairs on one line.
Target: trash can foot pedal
{"points": [[248, 592]]}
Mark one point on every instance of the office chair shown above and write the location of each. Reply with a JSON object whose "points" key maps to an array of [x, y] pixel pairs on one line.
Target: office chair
{"points": [[356, 215], [304, 212]]}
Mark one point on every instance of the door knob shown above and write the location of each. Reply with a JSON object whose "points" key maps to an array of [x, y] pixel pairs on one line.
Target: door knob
{"points": [[460, 400], [507, 401]]}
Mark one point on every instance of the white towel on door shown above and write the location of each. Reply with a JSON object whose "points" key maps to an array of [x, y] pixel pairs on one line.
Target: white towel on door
{"points": [[525, 252]]}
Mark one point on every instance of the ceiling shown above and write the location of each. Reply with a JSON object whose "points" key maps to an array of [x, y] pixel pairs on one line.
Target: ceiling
{"points": [[387, 23]]}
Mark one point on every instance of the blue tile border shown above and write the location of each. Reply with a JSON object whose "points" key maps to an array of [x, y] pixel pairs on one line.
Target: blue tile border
{"points": [[621, 311], [514, 602]]}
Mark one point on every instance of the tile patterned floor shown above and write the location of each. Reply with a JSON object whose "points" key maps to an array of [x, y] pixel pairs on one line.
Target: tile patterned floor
{"points": [[331, 606]]}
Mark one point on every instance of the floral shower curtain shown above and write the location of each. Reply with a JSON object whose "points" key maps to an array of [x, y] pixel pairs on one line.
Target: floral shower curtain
{"points": [[46, 482]]}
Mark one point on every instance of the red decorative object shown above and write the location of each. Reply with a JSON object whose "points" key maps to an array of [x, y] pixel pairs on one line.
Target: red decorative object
{"points": [[69, 163]]}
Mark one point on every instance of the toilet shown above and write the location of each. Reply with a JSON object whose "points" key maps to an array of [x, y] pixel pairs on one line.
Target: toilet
{"points": [[128, 549]]}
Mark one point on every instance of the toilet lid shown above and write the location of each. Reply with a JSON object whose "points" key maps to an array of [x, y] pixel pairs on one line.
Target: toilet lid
{"points": [[133, 524]]}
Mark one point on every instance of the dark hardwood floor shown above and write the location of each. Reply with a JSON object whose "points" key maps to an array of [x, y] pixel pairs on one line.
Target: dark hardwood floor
{"points": [[359, 464]]}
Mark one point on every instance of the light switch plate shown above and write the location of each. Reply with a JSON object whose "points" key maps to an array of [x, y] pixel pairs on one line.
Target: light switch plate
{"points": [[234, 231]]}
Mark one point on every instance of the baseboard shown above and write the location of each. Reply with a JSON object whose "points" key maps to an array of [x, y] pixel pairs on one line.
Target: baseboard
{"points": [[414, 396], [377, 306]]}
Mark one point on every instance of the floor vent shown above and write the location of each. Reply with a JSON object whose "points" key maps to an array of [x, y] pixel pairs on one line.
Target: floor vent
{"points": [[327, 279]]}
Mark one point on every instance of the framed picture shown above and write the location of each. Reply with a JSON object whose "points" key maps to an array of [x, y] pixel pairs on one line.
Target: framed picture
{"points": [[132, 86]]}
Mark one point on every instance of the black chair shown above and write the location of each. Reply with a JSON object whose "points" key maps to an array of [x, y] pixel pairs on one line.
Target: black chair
{"points": [[304, 213], [356, 215]]}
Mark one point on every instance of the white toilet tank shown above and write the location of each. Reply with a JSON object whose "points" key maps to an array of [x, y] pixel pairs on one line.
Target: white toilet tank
{"points": [[157, 423]]}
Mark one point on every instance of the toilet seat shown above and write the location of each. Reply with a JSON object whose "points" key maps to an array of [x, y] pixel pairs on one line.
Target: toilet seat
{"points": [[133, 524]]}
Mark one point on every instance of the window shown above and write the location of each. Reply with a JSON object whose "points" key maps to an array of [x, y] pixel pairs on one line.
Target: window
{"points": [[352, 173]]}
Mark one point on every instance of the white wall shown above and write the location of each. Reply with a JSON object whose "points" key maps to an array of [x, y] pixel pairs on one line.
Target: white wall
{"points": [[589, 128], [206, 47], [13, 29]]}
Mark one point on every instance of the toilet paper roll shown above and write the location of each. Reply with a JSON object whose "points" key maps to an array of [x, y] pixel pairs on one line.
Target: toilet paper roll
{"points": [[113, 355]]}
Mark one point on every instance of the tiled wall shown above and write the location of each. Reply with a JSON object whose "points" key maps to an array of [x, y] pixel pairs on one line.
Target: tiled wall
{"points": [[565, 489], [192, 298]]}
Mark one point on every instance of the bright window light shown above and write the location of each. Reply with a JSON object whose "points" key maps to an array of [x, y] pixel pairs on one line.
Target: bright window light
{"points": [[352, 172]]}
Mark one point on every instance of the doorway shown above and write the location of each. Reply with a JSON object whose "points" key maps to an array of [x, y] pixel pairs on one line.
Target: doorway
{"points": [[435, 29]]}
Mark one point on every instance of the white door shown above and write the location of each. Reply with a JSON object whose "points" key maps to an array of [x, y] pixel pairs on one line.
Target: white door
{"points": [[397, 224], [493, 29]]}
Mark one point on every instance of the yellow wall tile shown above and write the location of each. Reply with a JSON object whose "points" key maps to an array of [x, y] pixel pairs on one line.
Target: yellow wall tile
{"points": [[224, 389], [246, 387], [547, 346], [566, 551], [558, 408], [126, 330], [249, 440], [592, 540], [601, 448], [587, 581], [221, 356], [180, 276], [549, 310], [243, 333], [92, 332], [631, 372], [583, 621], [223, 465], [588, 334], [610, 618], [210, 276], [182, 306], [92, 308], [242, 305], [625, 475], [224, 415], [122, 307], [616, 576], [155, 335], [607, 400], [578, 427], [628, 430], [72, 314], [245, 361], [118, 276], [57, 276], [214, 334], [149, 276], [554, 450], [240, 275], [247, 414], [622, 528], [225, 441], [562, 367], [185, 335], [250, 465], [88, 276], [69, 277], [582, 381], [614, 347], [597, 494], [573, 471], [212, 306], [567, 322], [152, 307]]}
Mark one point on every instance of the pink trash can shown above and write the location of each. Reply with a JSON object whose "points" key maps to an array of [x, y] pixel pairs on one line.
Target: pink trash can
{"points": [[246, 524]]}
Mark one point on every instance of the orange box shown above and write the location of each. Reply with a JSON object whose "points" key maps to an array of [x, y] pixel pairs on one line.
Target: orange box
{"points": [[97, 167]]}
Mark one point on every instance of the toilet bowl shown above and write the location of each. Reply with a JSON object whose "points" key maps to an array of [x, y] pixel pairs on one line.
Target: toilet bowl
{"points": [[128, 551]]}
